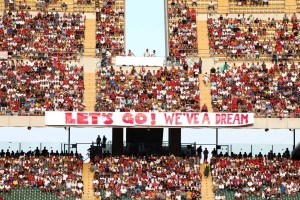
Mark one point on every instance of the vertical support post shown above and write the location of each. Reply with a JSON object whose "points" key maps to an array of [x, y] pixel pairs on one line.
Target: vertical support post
{"points": [[166, 29], [69, 139], [217, 139], [294, 139], [175, 141], [251, 151], [117, 141]]}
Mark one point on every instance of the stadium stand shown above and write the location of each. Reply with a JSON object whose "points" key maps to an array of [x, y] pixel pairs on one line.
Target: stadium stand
{"points": [[255, 178], [182, 29], [110, 25], [43, 36], [151, 177], [133, 89], [248, 37], [255, 88], [40, 175], [33, 87]]}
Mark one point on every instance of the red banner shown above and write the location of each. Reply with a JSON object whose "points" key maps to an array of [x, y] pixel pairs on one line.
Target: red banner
{"points": [[147, 119]]}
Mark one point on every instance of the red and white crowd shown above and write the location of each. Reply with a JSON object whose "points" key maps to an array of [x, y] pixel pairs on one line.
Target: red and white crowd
{"points": [[267, 92], [247, 36], [264, 178], [110, 29], [43, 35], [151, 177], [33, 87], [61, 175], [182, 29], [163, 90]]}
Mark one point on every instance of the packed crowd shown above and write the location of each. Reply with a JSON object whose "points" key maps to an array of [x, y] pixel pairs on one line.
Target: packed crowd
{"points": [[50, 173], [182, 29], [42, 36], [267, 92], [109, 29], [165, 177], [33, 87], [247, 36], [260, 177], [166, 89]]}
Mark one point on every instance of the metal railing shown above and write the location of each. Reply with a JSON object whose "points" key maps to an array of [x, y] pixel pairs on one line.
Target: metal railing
{"points": [[186, 148]]}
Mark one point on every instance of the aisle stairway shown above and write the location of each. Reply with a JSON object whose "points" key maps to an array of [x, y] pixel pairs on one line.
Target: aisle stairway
{"points": [[87, 177], [290, 6], [89, 91], [2, 5], [205, 94], [203, 42], [223, 6], [90, 37], [206, 189]]}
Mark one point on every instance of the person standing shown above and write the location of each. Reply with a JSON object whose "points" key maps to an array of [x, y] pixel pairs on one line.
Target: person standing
{"points": [[104, 141], [199, 152], [200, 65], [205, 153], [98, 140]]}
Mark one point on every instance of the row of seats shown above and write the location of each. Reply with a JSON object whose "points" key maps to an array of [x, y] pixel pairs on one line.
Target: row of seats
{"points": [[153, 177], [33, 87], [166, 89]]}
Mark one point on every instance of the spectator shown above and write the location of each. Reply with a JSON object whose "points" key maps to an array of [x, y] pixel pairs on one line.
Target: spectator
{"points": [[204, 108], [211, 5], [205, 79], [130, 53], [147, 53], [153, 54], [205, 153], [199, 152]]}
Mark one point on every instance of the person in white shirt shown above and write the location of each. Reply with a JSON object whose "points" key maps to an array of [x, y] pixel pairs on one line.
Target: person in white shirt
{"points": [[153, 54], [211, 5], [147, 53]]}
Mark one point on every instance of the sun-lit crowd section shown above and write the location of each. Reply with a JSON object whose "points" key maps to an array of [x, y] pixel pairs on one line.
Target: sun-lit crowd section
{"points": [[110, 29], [151, 177], [252, 87], [247, 36], [40, 174], [255, 178], [182, 29], [33, 87], [139, 89], [44, 35]]}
